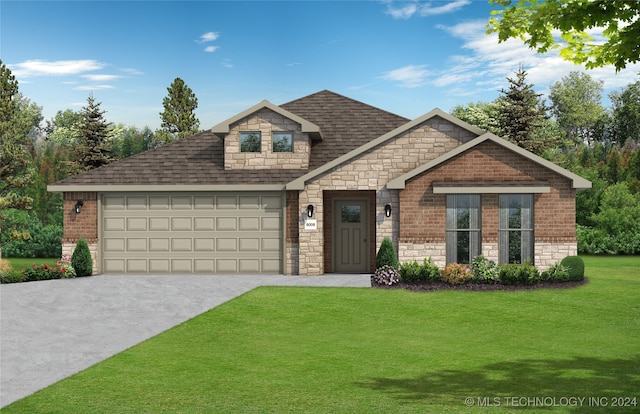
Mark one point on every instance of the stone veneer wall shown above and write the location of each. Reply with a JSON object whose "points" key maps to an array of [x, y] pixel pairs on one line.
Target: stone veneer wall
{"points": [[371, 171], [83, 225], [265, 121], [292, 245]]}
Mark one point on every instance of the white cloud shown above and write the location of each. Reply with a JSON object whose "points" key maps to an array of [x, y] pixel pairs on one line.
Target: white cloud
{"points": [[93, 87], [490, 63], [404, 12], [209, 37], [132, 71], [408, 10], [411, 76], [211, 49], [100, 78], [37, 67]]}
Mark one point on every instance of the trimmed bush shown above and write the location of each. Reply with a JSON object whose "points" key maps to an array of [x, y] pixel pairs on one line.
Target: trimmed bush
{"points": [[519, 274], [575, 267], [81, 259], [386, 255], [456, 274], [555, 273], [412, 272]]}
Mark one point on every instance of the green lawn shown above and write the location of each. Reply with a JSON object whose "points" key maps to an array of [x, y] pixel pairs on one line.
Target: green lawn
{"points": [[20, 263], [345, 350]]}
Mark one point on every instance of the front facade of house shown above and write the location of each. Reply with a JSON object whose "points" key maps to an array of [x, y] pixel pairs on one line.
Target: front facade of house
{"points": [[314, 186]]}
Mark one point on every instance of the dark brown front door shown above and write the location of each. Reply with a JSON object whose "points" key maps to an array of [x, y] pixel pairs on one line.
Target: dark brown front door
{"points": [[351, 235]]}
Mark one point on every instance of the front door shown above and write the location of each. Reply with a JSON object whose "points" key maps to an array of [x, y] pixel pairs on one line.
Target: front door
{"points": [[351, 236]]}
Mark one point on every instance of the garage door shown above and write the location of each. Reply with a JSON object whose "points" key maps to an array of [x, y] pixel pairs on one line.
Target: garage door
{"points": [[192, 233]]}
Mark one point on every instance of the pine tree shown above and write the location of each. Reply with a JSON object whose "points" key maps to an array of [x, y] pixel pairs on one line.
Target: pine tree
{"points": [[522, 115], [15, 160], [92, 151], [178, 118]]}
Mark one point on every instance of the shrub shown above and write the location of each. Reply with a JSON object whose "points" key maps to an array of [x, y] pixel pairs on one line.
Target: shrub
{"points": [[484, 270], [519, 274], [410, 272], [575, 267], [9, 275], [456, 274], [429, 271], [555, 273], [81, 259], [385, 275], [44, 272], [24, 235], [386, 255]]}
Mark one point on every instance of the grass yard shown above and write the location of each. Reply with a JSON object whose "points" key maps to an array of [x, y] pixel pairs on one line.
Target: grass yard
{"points": [[342, 350], [20, 263]]}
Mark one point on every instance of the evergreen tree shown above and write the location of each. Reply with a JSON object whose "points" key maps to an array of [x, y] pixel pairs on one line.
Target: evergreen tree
{"points": [[178, 118], [522, 116], [92, 150], [15, 159]]}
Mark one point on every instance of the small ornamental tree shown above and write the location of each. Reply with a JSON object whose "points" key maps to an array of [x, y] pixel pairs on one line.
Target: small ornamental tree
{"points": [[387, 255], [81, 259]]}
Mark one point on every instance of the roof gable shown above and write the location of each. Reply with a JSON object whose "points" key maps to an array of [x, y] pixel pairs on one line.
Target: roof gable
{"points": [[299, 183], [306, 127], [577, 181]]}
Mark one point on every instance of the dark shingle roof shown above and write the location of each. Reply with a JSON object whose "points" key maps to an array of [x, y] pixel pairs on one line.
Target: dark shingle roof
{"points": [[345, 124]]}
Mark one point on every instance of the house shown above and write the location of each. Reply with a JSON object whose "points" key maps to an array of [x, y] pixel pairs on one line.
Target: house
{"points": [[313, 186]]}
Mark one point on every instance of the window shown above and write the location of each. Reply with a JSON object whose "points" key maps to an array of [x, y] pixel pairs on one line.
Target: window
{"points": [[282, 141], [463, 227], [350, 214], [250, 142], [515, 233]]}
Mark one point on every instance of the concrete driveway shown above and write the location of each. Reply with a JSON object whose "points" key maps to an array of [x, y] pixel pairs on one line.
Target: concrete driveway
{"points": [[52, 329]]}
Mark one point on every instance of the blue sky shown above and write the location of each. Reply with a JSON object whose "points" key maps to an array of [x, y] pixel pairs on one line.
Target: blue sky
{"points": [[405, 57]]}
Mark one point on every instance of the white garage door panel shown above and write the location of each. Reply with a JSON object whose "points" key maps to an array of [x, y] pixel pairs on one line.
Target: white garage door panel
{"points": [[192, 233]]}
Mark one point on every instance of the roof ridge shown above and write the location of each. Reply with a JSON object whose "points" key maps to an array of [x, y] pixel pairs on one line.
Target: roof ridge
{"points": [[335, 94]]}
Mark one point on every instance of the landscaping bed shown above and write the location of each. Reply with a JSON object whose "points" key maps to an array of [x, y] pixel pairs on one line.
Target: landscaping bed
{"points": [[433, 286]]}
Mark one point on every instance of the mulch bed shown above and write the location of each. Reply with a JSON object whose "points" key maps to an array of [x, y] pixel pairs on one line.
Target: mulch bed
{"points": [[430, 287]]}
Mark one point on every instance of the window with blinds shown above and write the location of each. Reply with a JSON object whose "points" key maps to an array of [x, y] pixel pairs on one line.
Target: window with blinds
{"points": [[515, 232], [463, 227]]}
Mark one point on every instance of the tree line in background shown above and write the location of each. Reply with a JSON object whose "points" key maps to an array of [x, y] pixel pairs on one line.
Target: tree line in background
{"points": [[35, 153], [578, 133], [575, 131]]}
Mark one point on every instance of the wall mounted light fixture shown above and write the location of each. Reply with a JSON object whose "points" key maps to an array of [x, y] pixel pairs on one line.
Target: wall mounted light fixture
{"points": [[78, 206], [387, 210], [309, 210]]}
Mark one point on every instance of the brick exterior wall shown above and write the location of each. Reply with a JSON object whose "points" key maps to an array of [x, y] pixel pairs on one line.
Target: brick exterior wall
{"points": [[83, 225], [265, 121], [423, 216], [370, 172]]}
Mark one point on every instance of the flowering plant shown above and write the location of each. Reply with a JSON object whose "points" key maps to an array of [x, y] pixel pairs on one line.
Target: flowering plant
{"points": [[46, 272], [484, 270], [65, 264], [456, 274], [385, 275]]}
